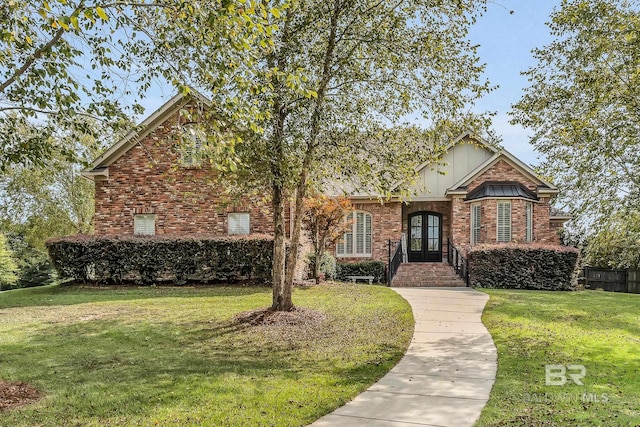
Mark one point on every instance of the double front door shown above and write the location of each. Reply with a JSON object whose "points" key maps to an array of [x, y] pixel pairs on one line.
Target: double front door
{"points": [[425, 237]]}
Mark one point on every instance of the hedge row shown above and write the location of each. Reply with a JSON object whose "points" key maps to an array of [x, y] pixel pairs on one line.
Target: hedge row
{"points": [[364, 268], [147, 260], [524, 267]]}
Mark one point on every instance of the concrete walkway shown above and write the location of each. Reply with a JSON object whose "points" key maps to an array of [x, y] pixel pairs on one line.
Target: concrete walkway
{"points": [[446, 375]]}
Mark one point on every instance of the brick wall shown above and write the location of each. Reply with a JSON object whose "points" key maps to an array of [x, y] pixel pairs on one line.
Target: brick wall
{"points": [[502, 171], [386, 221], [185, 200]]}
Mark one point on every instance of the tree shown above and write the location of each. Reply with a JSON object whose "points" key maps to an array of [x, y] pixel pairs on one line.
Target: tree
{"points": [[324, 218], [617, 244], [48, 199], [583, 107], [328, 90], [63, 60], [8, 267]]}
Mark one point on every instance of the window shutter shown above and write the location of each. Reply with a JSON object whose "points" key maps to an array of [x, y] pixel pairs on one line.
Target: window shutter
{"points": [[357, 240], [528, 217], [239, 223], [476, 213], [144, 224], [504, 221]]}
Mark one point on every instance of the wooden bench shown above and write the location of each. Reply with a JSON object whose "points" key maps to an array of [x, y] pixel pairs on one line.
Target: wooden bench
{"points": [[355, 278]]}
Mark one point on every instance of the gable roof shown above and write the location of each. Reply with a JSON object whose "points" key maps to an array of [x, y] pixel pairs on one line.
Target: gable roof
{"points": [[501, 154], [117, 150]]}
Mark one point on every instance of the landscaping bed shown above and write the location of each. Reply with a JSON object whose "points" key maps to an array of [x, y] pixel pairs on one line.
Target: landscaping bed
{"points": [[187, 356], [532, 330]]}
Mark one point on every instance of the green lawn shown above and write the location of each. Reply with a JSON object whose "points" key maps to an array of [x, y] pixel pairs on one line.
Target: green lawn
{"points": [[531, 329], [174, 356]]}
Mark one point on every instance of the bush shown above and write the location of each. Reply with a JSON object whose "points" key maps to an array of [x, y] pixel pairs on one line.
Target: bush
{"points": [[153, 259], [524, 267], [38, 274], [327, 265], [364, 268]]}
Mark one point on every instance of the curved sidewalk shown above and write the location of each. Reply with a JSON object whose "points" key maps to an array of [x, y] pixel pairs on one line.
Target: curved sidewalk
{"points": [[446, 375]]}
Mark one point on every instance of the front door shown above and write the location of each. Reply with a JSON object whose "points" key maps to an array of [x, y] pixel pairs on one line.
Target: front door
{"points": [[425, 237]]}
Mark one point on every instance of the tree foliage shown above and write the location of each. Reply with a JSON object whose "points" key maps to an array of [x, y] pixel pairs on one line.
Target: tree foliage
{"points": [[337, 77], [617, 244], [64, 60], [583, 106], [324, 219], [8, 266], [47, 199]]}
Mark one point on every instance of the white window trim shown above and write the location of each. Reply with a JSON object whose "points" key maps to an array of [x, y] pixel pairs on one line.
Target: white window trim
{"points": [[504, 202], [144, 224], [528, 218], [473, 226], [354, 237], [240, 230]]}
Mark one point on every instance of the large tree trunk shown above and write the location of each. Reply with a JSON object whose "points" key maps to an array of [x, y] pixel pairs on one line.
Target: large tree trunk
{"points": [[296, 229], [281, 292]]}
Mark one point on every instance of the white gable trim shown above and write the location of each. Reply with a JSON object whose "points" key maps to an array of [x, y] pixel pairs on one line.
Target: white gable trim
{"points": [[512, 161], [143, 129]]}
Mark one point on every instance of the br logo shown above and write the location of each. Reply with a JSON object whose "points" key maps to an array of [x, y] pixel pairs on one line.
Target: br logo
{"points": [[557, 374]]}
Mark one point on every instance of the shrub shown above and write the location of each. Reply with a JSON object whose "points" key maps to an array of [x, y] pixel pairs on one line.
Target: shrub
{"points": [[152, 259], [39, 274], [524, 267], [327, 265], [364, 268]]}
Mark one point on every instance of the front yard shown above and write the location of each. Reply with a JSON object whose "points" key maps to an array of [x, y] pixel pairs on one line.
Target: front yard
{"points": [[595, 330], [175, 356]]}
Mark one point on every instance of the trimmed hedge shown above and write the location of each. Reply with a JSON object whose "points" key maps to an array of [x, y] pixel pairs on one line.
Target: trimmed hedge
{"points": [[364, 268], [147, 260], [529, 266]]}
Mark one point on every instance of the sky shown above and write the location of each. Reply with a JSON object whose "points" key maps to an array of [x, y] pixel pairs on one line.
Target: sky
{"points": [[506, 41]]}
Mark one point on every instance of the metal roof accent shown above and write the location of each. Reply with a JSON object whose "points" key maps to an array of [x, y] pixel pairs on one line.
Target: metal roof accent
{"points": [[502, 189]]}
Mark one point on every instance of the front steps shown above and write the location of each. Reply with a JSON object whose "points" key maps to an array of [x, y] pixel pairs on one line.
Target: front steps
{"points": [[426, 274]]}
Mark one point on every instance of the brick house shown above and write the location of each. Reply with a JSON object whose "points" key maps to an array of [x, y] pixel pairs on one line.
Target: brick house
{"points": [[145, 184]]}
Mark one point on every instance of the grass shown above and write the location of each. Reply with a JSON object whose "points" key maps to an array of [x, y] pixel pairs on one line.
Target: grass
{"points": [[175, 357], [534, 328]]}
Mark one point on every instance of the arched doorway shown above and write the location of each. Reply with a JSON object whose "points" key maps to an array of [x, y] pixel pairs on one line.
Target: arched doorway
{"points": [[425, 237]]}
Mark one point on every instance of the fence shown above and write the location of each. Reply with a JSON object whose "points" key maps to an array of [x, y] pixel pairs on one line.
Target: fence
{"points": [[612, 280]]}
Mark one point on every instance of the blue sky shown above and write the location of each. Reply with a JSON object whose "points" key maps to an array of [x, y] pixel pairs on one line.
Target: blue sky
{"points": [[506, 41]]}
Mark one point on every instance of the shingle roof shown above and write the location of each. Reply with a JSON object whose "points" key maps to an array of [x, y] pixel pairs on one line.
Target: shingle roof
{"points": [[501, 189]]}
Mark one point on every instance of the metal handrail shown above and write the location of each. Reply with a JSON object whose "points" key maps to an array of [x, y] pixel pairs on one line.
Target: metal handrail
{"points": [[458, 261]]}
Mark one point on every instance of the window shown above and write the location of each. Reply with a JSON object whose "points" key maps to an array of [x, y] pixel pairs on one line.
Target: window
{"points": [[239, 223], [191, 144], [356, 241], [476, 212], [504, 221], [144, 224], [528, 218]]}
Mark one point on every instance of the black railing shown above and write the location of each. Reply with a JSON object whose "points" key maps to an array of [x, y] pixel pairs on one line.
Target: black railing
{"points": [[458, 262], [395, 259]]}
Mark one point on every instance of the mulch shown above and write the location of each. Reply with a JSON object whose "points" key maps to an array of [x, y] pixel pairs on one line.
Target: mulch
{"points": [[14, 394], [266, 316]]}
